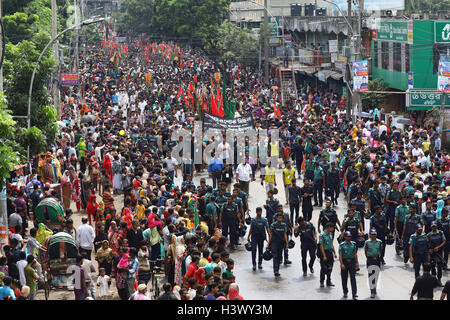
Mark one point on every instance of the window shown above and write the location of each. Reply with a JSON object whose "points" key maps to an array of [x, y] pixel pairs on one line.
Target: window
{"points": [[375, 54], [397, 56], [385, 55], [406, 58]]}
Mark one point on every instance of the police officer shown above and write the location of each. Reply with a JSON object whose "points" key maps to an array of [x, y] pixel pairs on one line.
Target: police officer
{"points": [[401, 212], [444, 226], [360, 205], [326, 254], [418, 249], [257, 236], [375, 197], [428, 216], [348, 257], [352, 225], [308, 240], [288, 223], [278, 240], [306, 194], [333, 183], [353, 189], [212, 210], [436, 241], [295, 193], [372, 250], [409, 228], [392, 201], [319, 181], [229, 220], [271, 206], [379, 222], [328, 215]]}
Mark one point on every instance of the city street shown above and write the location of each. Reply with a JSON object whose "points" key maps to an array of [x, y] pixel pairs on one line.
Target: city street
{"points": [[395, 281]]}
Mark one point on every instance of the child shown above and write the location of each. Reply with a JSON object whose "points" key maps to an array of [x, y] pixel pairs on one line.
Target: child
{"points": [[103, 282], [4, 265], [224, 256], [204, 260], [229, 270]]}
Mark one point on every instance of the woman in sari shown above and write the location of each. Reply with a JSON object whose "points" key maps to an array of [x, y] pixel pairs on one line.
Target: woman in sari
{"points": [[104, 257], [108, 167], [42, 233], [76, 193], [56, 169], [66, 187], [81, 148], [178, 254], [113, 237], [91, 208]]}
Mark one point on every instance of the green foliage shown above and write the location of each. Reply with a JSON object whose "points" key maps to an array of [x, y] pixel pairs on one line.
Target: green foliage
{"points": [[373, 100], [32, 137], [19, 26], [8, 157], [42, 9], [12, 6], [19, 63], [135, 16], [434, 5]]}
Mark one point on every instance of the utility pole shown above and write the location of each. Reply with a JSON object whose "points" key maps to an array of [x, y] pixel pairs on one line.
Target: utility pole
{"points": [[349, 68], [3, 201], [77, 35], [1, 45], [266, 44], [55, 82], [358, 55]]}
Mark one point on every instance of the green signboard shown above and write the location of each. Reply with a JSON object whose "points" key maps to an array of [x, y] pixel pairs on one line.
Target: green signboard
{"points": [[425, 101], [393, 31], [442, 32], [274, 31]]}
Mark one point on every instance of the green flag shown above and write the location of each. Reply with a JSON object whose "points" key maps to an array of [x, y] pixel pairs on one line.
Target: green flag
{"points": [[196, 218]]}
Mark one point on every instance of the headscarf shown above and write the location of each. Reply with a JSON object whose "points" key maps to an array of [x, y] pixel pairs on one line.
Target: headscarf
{"points": [[176, 292], [440, 206], [92, 205], [42, 233], [198, 275], [65, 178], [233, 293], [108, 167], [152, 222]]}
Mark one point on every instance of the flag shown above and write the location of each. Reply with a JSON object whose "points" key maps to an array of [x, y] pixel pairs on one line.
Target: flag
{"points": [[196, 218], [195, 79], [189, 63], [190, 96], [180, 91], [181, 64], [221, 111], [214, 110], [276, 111], [204, 104], [191, 88], [212, 84], [186, 101]]}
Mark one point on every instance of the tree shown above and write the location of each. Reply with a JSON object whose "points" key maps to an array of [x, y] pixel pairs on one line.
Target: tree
{"points": [[135, 16], [8, 157], [373, 100], [19, 27], [19, 63]]}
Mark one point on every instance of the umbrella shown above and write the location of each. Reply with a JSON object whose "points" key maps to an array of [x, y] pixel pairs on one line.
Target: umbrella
{"points": [[87, 118]]}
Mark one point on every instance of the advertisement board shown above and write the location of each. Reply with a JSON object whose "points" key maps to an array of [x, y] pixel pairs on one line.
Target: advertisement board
{"points": [[360, 73], [443, 76]]}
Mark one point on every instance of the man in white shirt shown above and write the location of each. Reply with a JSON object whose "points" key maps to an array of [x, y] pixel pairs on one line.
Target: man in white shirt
{"points": [[85, 238], [416, 151], [21, 264], [223, 150], [172, 164], [382, 128], [243, 174]]}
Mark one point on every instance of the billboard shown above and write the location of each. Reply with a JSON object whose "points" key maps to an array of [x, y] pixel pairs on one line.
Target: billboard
{"points": [[443, 76], [69, 79], [373, 5], [360, 72]]}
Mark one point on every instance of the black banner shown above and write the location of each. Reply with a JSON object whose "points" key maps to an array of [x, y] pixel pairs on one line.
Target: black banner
{"points": [[211, 122]]}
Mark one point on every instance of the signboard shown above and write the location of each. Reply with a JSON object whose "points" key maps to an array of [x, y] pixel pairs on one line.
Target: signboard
{"points": [[442, 32], [333, 48], [410, 80], [211, 122], [287, 39], [394, 31], [443, 76], [120, 39], [69, 79], [425, 101], [373, 5], [274, 31], [305, 56], [360, 72]]}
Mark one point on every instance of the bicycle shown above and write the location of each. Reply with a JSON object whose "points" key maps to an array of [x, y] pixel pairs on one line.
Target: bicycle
{"points": [[156, 279]]}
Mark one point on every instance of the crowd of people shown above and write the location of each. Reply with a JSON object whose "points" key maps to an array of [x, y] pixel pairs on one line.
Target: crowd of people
{"points": [[113, 164]]}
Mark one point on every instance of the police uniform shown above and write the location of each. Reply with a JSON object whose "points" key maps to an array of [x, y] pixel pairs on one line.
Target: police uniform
{"points": [[375, 199], [427, 218], [352, 226], [307, 207], [326, 266], [420, 248], [378, 222], [333, 184], [393, 195], [211, 209], [411, 222], [272, 209], [309, 169], [437, 258], [258, 227], [400, 212], [373, 250], [307, 244], [230, 222], [318, 186], [328, 215], [444, 226], [278, 243], [348, 250], [361, 208]]}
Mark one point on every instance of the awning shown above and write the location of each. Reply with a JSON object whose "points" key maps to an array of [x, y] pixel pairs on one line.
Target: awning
{"points": [[325, 74]]}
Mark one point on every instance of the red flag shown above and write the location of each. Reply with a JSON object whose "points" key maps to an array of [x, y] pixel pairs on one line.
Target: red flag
{"points": [[204, 104], [195, 79], [181, 64], [277, 111], [180, 92], [212, 84], [189, 63], [214, 110], [191, 88], [190, 96], [221, 112], [186, 101]]}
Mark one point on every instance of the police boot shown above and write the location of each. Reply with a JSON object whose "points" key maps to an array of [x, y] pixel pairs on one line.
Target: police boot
{"points": [[330, 284], [287, 261]]}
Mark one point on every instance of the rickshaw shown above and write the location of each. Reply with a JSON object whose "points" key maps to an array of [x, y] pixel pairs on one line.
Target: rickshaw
{"points": [[50, 213], [57, 262]]}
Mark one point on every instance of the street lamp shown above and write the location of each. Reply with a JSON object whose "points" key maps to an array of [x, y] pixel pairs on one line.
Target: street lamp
{"points": [[30, 91]]}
